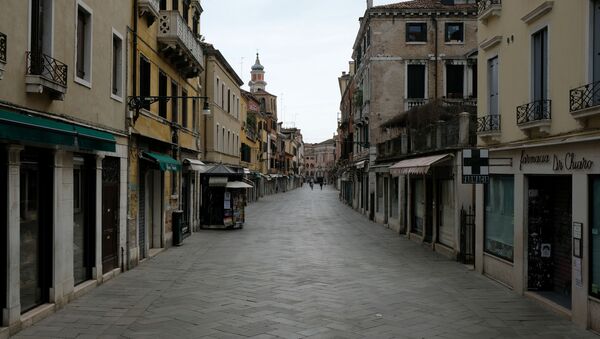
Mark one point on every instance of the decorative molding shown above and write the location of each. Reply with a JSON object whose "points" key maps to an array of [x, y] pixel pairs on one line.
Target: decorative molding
{"points": [[491, 42], [538, 12]]}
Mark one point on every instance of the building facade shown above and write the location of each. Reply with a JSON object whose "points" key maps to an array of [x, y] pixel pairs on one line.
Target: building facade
{"points": [[64, 152], [537, 226]]}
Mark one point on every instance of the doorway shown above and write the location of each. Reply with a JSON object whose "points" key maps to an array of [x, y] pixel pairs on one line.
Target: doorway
{"points": [[153, 209], [3, 230], [84, 217], [36, 207], [549, 238], [386, 199], [445, 224], [110, 214]]}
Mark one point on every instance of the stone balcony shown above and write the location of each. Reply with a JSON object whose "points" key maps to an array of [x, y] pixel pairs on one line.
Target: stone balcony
{"points": [[489, 8], [178, 44], [149, 9]]}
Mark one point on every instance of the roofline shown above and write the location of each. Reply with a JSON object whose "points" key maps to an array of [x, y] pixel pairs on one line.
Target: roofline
{"points": [[212, 51]]}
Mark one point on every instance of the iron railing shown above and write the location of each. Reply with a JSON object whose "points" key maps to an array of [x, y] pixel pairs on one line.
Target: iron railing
{"points": [[484, 5], [47, 67], [534, 111], [585, 96], [488, 123], [3, 47]]}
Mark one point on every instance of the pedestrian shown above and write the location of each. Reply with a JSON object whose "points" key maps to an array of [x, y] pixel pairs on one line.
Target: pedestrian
{"points": [[321, 184], [311, 186]]}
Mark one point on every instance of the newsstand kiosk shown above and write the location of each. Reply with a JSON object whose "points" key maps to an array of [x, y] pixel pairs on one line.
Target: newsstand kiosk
{"points": [[223, 198]]}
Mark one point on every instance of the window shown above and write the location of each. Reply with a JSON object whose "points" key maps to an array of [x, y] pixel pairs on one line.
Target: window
{"points": [[195, 24], [493, 86], [540, 65], [455, 84], [186, 11], [41, 31], [174, 5], [416, 32], [228, 100], [499, 217], [222, 148], [84, 44], [184, 109], [216, 141], [195, 115], [595, 237], [117, 65], [163, 5], [416, 81], [145, 80], [455, 32], [174, 103], [162, 91], [217, 98], [228, 142], [222, 96]]}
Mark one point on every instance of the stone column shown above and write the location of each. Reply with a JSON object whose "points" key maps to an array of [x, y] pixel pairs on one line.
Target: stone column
{"points": [[62, 242], [97, 271], [12, 313]]}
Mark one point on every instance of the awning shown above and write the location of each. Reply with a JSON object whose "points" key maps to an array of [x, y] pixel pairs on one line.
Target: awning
{"points": [[382, 168], [164, 162], [238, 184], [217, 181], [91, 139], [196, 165], [418, 165], [29, 128], [361, 164]]}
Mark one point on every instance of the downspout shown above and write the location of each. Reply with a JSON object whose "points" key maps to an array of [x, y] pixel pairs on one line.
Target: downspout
{"points": [[435, 56]]}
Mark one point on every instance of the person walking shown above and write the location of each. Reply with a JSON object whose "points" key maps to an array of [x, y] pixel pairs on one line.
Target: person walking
{"points": [[321, 184], [311, 186]]}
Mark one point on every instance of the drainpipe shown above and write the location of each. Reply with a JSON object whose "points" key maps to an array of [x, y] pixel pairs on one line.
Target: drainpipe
{"points": [[435, 62]]}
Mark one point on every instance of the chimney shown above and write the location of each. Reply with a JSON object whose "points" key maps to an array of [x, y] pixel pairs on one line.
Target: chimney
{"points": [[369, 4]]}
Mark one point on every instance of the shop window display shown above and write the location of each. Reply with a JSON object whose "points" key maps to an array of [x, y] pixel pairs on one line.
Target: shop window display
{"points": [[499, 217]]}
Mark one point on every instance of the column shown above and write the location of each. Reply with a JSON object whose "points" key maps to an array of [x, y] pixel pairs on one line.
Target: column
{"points": [[97, 271], [521, 234], [62, 242], [12, 313]]}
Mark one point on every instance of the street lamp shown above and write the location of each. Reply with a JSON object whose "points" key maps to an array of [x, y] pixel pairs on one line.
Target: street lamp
{"points": [[136, 103]]}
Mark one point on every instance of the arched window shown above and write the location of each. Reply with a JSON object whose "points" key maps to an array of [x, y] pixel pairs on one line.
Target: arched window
{"points": [[263, 105]]}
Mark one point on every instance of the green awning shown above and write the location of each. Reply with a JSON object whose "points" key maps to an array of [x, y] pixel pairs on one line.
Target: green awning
{"points": [[165, 162], [91, 139], [29, 128]]}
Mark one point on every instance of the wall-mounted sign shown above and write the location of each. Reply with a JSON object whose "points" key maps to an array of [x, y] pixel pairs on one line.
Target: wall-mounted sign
{"points": [[560, 162], [577, 239], [475, 166]]}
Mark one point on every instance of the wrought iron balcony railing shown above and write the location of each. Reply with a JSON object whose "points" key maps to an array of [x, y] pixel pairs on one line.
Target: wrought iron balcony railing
{"points": [[175, 35], [3, 48], [534, 111], [488, 123], [485, 5], [47, 68], [585, 97]]}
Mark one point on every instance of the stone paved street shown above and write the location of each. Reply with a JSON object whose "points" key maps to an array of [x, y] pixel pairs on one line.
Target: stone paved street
{"points": [[304, 266]]}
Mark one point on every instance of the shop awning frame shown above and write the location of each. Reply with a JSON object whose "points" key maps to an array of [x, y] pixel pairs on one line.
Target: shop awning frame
{"points": [[196, 165], [163, 161], [30, 128], [418, 166], [217, 181]]}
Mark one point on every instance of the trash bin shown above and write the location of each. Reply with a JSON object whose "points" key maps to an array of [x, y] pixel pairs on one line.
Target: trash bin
{"points": [[178, 228]]}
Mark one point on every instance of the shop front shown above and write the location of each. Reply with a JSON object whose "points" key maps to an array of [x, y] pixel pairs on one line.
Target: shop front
{"points": [[537, 227]]}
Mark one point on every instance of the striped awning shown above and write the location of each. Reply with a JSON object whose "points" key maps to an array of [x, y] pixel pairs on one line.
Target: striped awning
{"points": [[418, 166]]}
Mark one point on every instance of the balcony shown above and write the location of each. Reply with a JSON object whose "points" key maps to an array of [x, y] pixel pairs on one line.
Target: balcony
{"points": [[178, 44], [149, 9], [45, 74], [460, 102], [489, 8], [3, 47], [535, 115], [585, 101], [488, 127], [412, 102]]}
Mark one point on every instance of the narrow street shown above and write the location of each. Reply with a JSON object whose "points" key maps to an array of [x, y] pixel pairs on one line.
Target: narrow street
{"points": [[305, 265]]}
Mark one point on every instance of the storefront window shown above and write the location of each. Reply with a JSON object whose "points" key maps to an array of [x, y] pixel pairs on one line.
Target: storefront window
{"points": [[395, 197], [499, 216], [595, 239]]}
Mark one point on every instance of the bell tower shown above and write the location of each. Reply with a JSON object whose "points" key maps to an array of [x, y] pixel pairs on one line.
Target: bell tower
{"points": [[258, 77]]}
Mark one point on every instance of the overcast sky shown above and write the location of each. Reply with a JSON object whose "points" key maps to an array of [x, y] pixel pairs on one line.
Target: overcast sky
{"points": [[304, 45]]}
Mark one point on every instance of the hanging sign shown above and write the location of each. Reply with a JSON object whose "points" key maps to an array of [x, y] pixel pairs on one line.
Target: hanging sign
{"points": [[475, 166]]}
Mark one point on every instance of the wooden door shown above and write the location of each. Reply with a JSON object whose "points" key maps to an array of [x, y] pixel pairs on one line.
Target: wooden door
{"points": [[110, 214]]}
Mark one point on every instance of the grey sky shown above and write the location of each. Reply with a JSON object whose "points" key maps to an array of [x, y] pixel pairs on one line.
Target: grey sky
{"points": [[304, 45]]}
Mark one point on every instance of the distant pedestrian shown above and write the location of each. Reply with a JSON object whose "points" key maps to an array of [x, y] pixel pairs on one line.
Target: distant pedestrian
{"points": [[321, 184], [312, 186]]}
